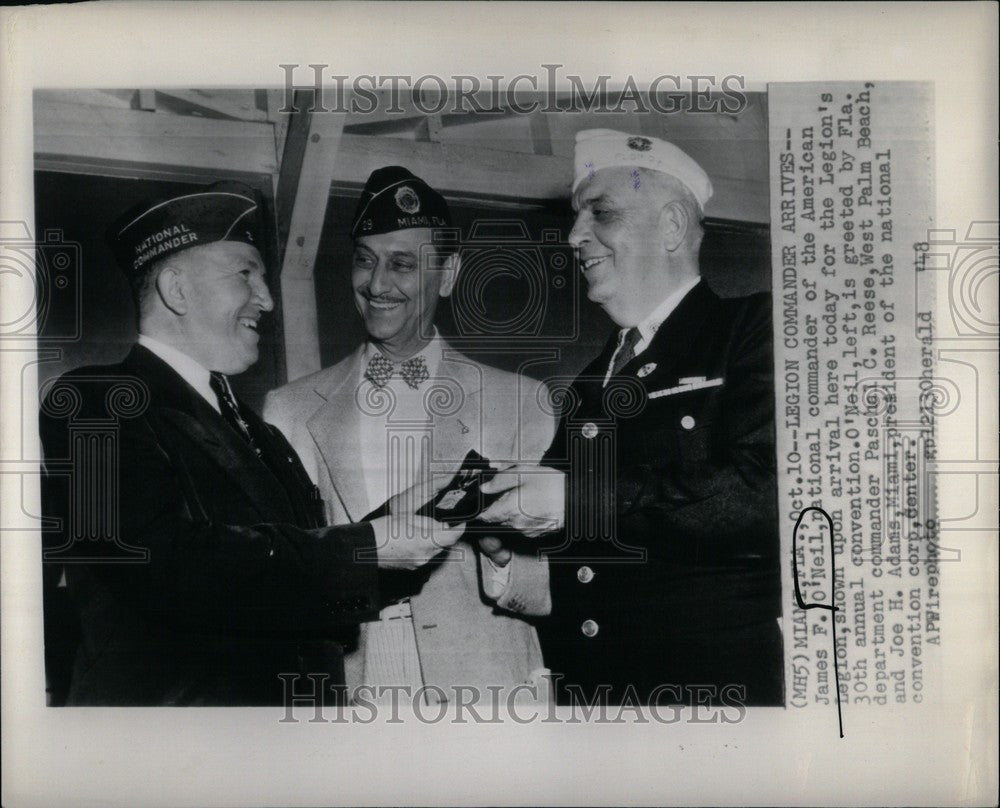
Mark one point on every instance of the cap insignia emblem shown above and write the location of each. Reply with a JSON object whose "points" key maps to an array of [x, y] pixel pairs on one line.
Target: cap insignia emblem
{"points": [[639, 143], [407, 200]]}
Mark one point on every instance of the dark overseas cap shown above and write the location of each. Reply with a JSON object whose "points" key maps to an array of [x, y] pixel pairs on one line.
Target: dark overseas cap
{"points": [[394, 199], [225, 211]]}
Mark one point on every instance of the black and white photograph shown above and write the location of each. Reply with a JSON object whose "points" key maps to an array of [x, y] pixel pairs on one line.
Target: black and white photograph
{"points": [[440, 327], [447, 427]]}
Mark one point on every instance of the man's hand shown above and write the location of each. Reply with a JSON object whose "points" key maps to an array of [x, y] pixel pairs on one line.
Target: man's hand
{"points": [[494, 548], [407, 542], [534, 502], [417, 495]]}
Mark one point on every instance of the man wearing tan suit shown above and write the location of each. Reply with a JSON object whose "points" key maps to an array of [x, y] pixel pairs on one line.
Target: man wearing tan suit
{"points": [[401, 406]]}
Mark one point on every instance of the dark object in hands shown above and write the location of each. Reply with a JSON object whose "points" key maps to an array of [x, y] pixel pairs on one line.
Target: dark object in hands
{"points": [[461, 500]]}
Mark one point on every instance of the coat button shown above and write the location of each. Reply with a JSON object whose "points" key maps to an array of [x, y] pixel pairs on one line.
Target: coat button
{"points": [[589, 628], [687, 422], [589, 430], [585, 575]]}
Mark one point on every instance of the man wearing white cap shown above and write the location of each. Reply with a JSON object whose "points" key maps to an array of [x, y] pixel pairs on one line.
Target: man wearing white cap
{"points": [[664, 557]]}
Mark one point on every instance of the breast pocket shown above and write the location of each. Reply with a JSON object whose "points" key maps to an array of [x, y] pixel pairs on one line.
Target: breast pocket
{"points": [[688, 424], [695, 448]]}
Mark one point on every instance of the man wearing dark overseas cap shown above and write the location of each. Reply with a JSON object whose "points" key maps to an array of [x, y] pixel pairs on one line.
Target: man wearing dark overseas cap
{"points": [[403, 403], [240, 581]]}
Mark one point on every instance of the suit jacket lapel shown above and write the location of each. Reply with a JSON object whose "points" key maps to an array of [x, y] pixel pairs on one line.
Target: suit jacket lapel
{"points": [[335, 428], [287, 468], [456, 433], [181, 405], [677, 336]]}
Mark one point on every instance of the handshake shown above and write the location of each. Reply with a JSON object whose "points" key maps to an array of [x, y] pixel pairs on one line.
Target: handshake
{"points": [[417, 524]]}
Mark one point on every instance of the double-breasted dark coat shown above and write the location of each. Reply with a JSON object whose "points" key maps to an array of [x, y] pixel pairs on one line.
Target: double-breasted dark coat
{"points": [[240, 582], [667, 573]]}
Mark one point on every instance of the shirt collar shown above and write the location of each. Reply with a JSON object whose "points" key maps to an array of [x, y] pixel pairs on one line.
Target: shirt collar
{"points": [[185, 366], [649, 326]]}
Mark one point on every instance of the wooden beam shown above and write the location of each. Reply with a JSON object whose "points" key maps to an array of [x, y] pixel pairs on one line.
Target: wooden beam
{"points": [[307, 168], [97, 135], [118, 99], [493, 173], [448, 166], [429, 129], [406, 108], [89, 138], [237, 105], [541, 135], [279, 118], [138, 171]]}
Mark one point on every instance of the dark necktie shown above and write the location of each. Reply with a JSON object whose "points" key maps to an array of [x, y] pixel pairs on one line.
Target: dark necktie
{"points": [[626, 351], [231, 409]]}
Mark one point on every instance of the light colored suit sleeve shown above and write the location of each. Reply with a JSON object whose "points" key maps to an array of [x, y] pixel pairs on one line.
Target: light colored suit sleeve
{"points": [[527, 589], [537, 421], [273, 413], [527, 582], [285, 409]]}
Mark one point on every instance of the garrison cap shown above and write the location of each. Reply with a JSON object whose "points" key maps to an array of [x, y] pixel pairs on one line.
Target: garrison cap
{"points": [[225, 211], [395, 199], [606, 148]]}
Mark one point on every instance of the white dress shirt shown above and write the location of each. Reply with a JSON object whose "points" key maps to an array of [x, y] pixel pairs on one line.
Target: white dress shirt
{"points": [[395, 429], [187, 368], [403, 417], [649, 326]]}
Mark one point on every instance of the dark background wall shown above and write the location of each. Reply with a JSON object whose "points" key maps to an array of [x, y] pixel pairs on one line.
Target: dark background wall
{"points": [[517, 298]]}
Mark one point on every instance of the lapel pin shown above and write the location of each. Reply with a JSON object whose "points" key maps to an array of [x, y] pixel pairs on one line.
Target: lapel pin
{"points": [[646, 369]]}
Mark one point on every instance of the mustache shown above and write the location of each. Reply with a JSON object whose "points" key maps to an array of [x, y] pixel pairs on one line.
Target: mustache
{"points": [[381, 298]]}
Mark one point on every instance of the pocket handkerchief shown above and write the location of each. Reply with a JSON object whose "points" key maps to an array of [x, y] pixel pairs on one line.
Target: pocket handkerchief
{"points": [[687, 384]]}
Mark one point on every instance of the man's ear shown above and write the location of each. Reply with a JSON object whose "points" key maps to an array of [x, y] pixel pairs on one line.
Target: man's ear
{"points": [[450, 268], [171, 288], [675, 222]]}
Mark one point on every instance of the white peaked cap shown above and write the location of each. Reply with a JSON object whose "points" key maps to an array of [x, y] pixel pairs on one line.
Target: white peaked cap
{"points": [[606, 148]]}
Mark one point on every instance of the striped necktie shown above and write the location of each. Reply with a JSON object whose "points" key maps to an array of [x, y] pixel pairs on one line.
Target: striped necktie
{"points": [[231, 409], [626, 351]]}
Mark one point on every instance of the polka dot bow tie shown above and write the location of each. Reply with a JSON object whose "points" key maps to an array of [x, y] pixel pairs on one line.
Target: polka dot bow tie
{"points": [[413, 371]]}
